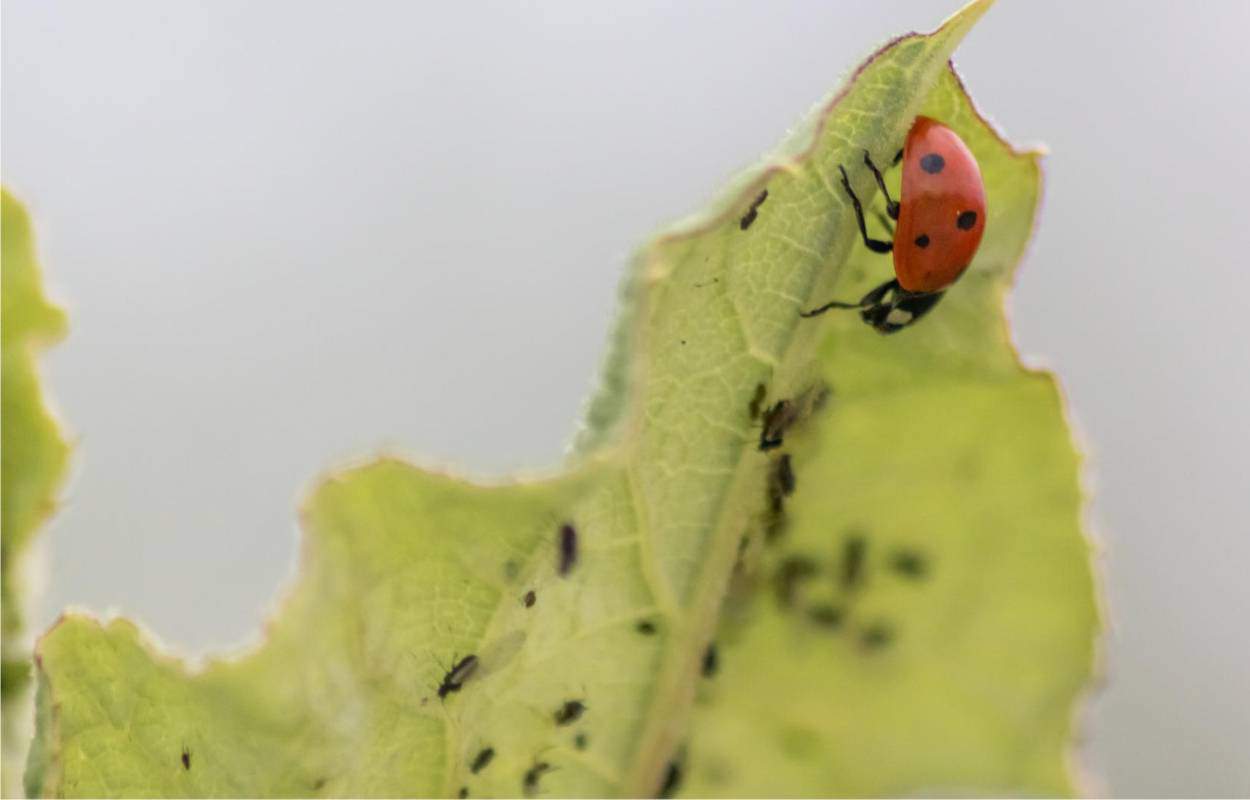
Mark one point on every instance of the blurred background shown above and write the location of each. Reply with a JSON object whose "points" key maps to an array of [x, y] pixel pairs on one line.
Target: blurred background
{"points": [[290, 234]]}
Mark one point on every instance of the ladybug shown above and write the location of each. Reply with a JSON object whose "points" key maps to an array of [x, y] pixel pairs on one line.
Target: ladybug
{"points": [[941, 218]]}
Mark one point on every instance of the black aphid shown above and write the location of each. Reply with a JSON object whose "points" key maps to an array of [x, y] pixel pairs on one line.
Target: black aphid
{"points": [[910, 564], [825, 615], [186, 758], [784, 475], [457, 675], [672, 779], [533, 775], [789, 573], [753, 211], [711, 660], [646, 627], [482, 759], [757, 401], [876, 636], [568, 548], [570, 712], [777, 419], [854, 550], [530, 598]]}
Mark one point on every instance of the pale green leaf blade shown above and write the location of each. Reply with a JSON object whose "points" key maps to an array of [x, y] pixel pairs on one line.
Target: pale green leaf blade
{"points": [[34, 454], [954, 659]]}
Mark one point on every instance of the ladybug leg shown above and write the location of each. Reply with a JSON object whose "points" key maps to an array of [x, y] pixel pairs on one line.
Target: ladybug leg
{"points": [[868, 301], [885, 221], [891, 207], [875, 245]]}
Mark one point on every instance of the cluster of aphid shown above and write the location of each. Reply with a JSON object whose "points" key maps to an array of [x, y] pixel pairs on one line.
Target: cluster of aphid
{"points": [[569, 711]]}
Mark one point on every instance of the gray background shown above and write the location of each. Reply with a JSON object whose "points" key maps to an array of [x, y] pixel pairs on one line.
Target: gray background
{"points": [[294, 233]]}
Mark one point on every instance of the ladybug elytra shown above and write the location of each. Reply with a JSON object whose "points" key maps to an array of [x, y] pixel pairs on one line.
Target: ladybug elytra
{"points": [[941, 218]]}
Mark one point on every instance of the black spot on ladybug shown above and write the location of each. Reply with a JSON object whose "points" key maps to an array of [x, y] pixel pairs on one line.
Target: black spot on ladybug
{"points": [[581, 741], [854, 549], [533, 775], [966, 220], [922, 240], [570, 712], [464, 791], [568, 548], [672, 780], [757, 400], [876, 636], [753, 211], [825, 615], [531, 597], [457, 675], [910, 564], [186, 758], [791, 571], [711, 661], [932, 163], [646, 627], [482, 759]]}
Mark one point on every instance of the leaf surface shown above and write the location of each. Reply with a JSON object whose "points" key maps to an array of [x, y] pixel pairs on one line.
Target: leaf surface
{"points": [[361, 686]]}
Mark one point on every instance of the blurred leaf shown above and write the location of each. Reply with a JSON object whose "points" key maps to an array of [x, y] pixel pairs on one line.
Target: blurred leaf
{"points": [[34, 455], [584, 677], [951, 658]]}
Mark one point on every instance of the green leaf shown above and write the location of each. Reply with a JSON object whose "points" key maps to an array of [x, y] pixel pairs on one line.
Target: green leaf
{"points": [[34, 454], [941, 628], [360, 686]]}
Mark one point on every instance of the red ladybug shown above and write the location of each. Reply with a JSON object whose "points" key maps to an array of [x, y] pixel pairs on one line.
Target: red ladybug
{"points": [[941, 217]]}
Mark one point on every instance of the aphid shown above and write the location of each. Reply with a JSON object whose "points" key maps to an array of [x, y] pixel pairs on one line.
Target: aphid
{"points": [[941, 218], [186, 758], [825, 615], [876, 636], [753, 211], [777, 419], [910, 564], [854, 549], [711, 660], [318, 784], [464, 792], [457, 675], [568, 548], [570, 712], [789, 573], [482, 759], [530, 598], [533, 775], [580, 741], [646, 627], [672, 779], [757, 401]]}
